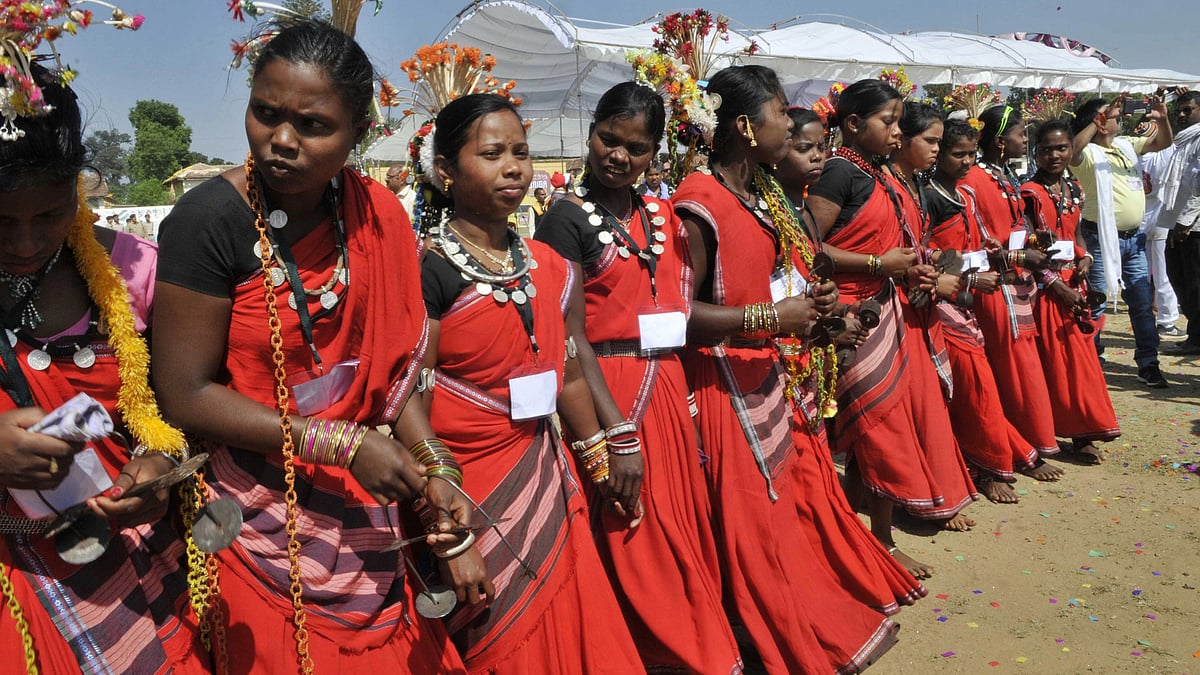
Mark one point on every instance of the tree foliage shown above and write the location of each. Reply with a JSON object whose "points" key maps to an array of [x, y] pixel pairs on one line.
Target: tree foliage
{"points": [[147, 192], [162, 140], [313, 9], [109, 152]]}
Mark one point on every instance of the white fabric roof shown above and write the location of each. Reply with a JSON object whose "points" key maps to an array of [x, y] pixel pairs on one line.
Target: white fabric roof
{"points": [[563, 65]]}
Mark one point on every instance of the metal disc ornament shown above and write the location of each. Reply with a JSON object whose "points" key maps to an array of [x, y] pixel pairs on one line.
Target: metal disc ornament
{"points": [[436, 603], [292, 301], [657, 249], [84, 358], [595, 220], [500, 295], [451, 247], [217, 525], [605, 238], [533, 264], [623, 252], [657, 221], [588, 207], [531, 290], [278, 219], [38, 360], [84, 540], [652, 207], [344, 276], [329, 299], [660, 237], [483, 288], [519, 297], [258, 249], [278, 277]]}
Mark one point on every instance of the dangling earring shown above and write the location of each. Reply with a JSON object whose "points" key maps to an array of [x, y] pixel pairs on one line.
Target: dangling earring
{"points": [[750, 132], [446, 185]]}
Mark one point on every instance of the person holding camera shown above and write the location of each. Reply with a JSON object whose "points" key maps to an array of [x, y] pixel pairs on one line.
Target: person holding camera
{"points": [[1109, 168], [1180, 195]]}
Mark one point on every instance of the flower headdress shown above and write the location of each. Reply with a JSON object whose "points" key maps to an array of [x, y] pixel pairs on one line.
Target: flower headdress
{"points": [[827, 105], [899, 81], [972, 99], [24, 27], [692, 110], [1047, 104], [682, 36]]}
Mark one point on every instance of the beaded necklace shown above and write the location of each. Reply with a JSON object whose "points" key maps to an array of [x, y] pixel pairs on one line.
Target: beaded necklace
{"points": [[1005, 182], [282, 272], [25, 290], [612, 230]]}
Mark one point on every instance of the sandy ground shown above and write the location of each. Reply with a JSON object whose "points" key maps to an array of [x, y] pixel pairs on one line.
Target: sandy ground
{"points": [[1097, 573]]}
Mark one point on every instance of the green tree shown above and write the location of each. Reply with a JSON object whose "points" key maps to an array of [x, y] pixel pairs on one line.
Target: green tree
{"points": [[110, 151], [161, 143], [937, 92], [147, 192], [313, 9]]}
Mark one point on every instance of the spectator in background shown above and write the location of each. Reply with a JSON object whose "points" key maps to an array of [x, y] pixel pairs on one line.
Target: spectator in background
{"points": [[1110, 169], [397, 181], [1180, 195], [136, 227], [558, 185], [541, 201], [1154, 165], [654, 184]]}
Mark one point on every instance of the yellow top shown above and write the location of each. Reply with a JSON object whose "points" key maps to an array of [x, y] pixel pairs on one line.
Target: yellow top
{"points": [[1129, 197]]}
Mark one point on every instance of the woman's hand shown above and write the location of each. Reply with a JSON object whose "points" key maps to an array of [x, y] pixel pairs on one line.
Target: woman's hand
{"points": [[1083, 266], [1035, 260], [825, 298], [854, 335], [29, 460], [947, 286], [896, 262], [386, 470], [624, 486], [1068, 297], [987, 282], [467, 573], [796, 315], [144, 508], [924, 277]]}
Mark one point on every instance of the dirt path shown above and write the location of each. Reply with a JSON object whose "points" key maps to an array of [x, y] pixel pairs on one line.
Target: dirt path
{"points": [[1098, 573]]}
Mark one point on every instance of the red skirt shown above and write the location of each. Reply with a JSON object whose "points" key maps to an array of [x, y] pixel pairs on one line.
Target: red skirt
{"points": [[854, 556], [772, 575], [1078, 393], [665, 572], [987, 438], [261, 638], [1021, 386]]}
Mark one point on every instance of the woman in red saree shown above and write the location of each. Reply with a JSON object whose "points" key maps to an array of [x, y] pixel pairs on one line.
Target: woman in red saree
{"points": [[338, 361], [1083, 411], [987, 438], [126, 610], [859, 559], [892, 420], [636, 291], [499, 308], [1006, 318], [777, 578]]}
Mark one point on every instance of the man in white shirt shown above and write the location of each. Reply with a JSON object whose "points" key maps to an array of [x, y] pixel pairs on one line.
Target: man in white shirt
{"points": [[1180, 195]]}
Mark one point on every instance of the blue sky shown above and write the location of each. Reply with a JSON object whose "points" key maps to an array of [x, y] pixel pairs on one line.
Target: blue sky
{"points": [[181, 53]]}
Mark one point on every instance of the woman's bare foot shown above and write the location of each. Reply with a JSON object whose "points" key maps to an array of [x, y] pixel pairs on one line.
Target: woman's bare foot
{"points": [[997, 491], [1086, 452], [915, 567], [959, 523], [1043, 472]]}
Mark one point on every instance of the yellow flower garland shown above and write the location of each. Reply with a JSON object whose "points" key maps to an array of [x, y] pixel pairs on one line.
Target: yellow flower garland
{"points": [[135, 398]]}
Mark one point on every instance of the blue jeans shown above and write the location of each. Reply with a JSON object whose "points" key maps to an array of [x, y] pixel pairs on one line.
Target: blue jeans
{"points": [[1138, 294]]}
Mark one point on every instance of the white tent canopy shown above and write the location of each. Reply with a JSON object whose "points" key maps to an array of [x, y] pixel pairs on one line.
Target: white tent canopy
{"points": [[562, 65]]}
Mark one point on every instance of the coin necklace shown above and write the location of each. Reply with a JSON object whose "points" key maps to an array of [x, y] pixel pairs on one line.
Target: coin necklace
{"points": [[505, 265], [45, 352], [486, 282], [25, 289], [281, 272], [612, 231]]}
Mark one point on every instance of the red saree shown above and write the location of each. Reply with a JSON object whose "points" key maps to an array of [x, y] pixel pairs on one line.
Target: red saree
{"points": [[358, 606], [128, 610], [566, 619], [1079, 396], [1006, 320], [987, 438], [766, 492], [892, 418], [667, 567]]}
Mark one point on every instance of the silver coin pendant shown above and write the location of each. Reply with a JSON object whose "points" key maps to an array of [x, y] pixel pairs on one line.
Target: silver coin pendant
{"points": [[278, 277], [595, 220], [278, 219], [606, 238], [660, 236], [38, 360], [519, 297], [84, 358], [292, 301], [329, 299], [483, 289], [531, 290], [500, 296], [652, 207]]}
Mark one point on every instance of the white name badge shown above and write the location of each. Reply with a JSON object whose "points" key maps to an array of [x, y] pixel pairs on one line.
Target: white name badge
{"points": [[976, 260], [1016, 240], [1136, 184], [662, 330], [322, 391], [533, 395], [85, 480], [780, 282], [1063, 249]]}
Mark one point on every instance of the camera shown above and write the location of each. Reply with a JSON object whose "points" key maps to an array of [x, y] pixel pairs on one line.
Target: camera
{"points": [[1135, 106]]}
